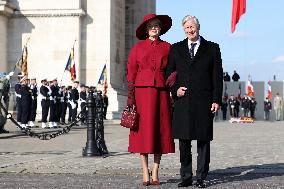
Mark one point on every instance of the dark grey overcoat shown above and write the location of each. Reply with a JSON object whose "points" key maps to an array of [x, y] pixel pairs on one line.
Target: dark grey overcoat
{"points": [[203, 77]]}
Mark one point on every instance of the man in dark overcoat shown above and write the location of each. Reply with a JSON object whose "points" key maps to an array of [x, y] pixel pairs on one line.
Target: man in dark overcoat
{"points": [[199, 75]]}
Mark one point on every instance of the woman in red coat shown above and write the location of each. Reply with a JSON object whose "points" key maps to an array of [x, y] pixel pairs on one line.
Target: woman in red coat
{"points": [[147, 90]]}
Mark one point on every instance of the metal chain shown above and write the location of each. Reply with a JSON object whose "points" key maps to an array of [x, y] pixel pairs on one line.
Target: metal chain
{"points": [[43, 136]]}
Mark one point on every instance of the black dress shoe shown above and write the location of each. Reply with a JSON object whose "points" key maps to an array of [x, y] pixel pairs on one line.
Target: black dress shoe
{"points": [[200, 184], [185, 183]]}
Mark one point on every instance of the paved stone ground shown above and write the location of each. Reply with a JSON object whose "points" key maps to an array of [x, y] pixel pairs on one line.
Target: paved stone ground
{"points": [[242, 156]]}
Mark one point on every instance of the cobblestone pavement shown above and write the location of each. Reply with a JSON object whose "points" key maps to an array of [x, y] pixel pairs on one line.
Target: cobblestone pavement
{"points": [[242, 156]]}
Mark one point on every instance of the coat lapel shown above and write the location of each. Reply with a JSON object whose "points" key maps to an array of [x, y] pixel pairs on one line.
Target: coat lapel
{"points": [[202, 47], [184, 52]]}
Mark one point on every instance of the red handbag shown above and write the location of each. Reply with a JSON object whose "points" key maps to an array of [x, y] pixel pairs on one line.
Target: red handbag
{"points": [[129, 118]]}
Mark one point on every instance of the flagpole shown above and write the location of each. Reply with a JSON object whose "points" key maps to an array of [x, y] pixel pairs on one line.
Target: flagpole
{"points": [[65, 66]]}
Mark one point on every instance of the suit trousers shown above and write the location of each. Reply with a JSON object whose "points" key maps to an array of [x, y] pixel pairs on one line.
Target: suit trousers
{"points": [[278, 114], [45, 108], [26, 110], [58, 110], [74, 113], [19, 109], [33, 110], [203, 159], [63, 111], [52, 111]]}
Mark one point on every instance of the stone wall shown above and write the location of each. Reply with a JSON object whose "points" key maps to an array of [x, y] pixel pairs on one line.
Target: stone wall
{"points": [[51, 34]]}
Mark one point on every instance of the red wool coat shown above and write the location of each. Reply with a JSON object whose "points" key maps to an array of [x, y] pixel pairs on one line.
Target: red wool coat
{"points": [[145, 69]]}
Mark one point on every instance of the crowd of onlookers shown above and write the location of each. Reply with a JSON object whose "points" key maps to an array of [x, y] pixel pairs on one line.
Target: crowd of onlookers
{"points": [[246, 106]]}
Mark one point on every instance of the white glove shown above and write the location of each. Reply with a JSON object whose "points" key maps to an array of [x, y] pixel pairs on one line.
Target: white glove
{"points": [[11, 74], [73, 105], [7, 77]]}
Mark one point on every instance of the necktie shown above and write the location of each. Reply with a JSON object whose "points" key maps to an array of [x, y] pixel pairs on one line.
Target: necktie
{"points": [[191, 50]]}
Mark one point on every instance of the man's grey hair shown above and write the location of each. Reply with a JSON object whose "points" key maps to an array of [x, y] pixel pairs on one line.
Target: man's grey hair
{"points": [[189, 17]]}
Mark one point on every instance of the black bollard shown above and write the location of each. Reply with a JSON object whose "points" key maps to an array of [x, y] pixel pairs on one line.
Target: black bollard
{"points": [[100, 123], [91, 148]]}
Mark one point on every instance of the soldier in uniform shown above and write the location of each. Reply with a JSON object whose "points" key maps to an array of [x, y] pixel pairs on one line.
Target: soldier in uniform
{"points": [[52, 104], [69, 88], [278, 104], [237, 107], [267, 108], [45, 93], [63, 101], [58, 106], [74, 97], [33, 87], [224, 107], [83, 98], [18, 99], [26, 100], [253, 104], [245, 103], [105, 99], [231, 105]]}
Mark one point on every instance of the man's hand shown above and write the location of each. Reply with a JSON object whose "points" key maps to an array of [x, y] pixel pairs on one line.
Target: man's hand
{"points": [[214, 107], [181, 91]]}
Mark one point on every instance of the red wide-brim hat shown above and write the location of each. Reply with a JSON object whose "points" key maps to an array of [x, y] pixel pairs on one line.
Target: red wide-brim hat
{"points": [[165, 20]]}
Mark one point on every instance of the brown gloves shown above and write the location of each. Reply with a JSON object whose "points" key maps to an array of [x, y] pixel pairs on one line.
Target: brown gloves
{"points": [[131, 94]]}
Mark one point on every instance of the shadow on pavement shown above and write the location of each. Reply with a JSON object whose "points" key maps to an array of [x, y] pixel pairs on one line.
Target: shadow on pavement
{"points": [[118, 153], [242, 173]]}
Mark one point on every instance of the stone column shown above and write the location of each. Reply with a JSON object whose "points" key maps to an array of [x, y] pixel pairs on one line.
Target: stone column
{"points": [[5, 12]]}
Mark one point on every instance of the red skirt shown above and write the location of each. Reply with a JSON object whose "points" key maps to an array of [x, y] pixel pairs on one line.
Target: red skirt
{"points": [[153, 135]]}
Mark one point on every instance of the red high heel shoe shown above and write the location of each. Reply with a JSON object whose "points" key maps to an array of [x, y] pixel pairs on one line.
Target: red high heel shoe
{"points": [[147, 183], [155, 182]]}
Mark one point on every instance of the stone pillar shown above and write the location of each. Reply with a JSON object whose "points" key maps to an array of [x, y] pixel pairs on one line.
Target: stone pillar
{"points": [[5, 12], [258, 87]]}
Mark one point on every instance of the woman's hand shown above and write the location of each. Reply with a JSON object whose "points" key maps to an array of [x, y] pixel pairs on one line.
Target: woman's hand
{"points": [[181, 91], [214, 107]]}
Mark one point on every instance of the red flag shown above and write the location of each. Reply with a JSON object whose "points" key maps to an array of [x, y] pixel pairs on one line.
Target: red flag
{"points": [[250, 89], [239, 8], [269, 91]]}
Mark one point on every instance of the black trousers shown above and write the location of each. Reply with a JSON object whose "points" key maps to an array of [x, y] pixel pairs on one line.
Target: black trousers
{"points": [[74, 113], [58, 107], [224, 114], [63, 111], [19, 109], [84, 111], [26, 110], [52, 113], [33, 110], [45, 108], [69, 112], [203, 159]]}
